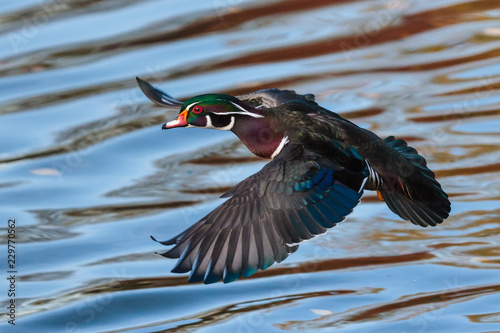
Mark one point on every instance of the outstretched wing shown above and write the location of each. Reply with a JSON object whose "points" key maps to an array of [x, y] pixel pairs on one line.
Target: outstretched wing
{"points": [[295, 197], [156, 95]]}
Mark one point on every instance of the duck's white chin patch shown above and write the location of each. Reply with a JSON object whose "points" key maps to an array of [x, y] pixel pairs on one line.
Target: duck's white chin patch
{"points": [[209, 123]]}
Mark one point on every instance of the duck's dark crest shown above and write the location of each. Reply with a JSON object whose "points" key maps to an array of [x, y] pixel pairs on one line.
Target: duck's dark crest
{"points": [[156, 95]]}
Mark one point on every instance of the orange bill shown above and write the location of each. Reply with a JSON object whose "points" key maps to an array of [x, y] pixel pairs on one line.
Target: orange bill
{"points": [[180, 121]]}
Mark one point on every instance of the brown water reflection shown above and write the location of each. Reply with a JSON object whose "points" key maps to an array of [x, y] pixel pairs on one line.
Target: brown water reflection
{"points": [[407, 307]]}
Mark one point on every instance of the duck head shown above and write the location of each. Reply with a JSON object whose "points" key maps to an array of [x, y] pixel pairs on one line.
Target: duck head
{"points": [[214, 111], [253, 126]]}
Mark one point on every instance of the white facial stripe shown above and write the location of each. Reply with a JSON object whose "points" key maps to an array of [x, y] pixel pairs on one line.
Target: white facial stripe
{"points": [[209, 122], [243, 113], [282, 144], [190, 105], [239, 107]]}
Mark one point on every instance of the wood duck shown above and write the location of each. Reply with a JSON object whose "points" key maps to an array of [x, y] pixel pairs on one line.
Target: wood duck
{"points": [[320, 165]]}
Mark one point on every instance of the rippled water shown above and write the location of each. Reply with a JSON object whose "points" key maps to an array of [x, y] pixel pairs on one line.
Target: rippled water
{"points": [[88, 175]]}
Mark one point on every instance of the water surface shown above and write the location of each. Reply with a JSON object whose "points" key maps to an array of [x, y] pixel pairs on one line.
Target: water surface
{"points": [[88, 175]]}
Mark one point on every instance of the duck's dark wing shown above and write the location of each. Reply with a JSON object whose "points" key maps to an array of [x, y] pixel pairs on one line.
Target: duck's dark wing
{"points": [[156, 95], [409, 187], [294, 197], [271, 98], [412, 191]]}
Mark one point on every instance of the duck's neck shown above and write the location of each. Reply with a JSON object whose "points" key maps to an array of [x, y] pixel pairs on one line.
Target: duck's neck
{"points": [[259, 136]]}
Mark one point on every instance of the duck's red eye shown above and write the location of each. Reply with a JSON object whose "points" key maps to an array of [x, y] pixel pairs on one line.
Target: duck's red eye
{"points": [[197, 109]]}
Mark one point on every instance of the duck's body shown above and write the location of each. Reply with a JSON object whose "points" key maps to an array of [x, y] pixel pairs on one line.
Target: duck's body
{"points": [[320, 165]]}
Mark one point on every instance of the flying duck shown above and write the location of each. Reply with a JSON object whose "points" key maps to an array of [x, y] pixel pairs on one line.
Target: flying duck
{"points": [[320, 165]]}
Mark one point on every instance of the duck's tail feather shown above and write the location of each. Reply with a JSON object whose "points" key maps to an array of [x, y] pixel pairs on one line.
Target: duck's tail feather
{"points": [[414, 193]]}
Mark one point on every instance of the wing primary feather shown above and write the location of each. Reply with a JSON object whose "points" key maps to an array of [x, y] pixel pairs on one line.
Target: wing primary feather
{"points": [[233, 261], [297, 224], [259, 242], [275, 240], [319, 217], [245, 247], [203, 256], [186, 234], [253, 253], [202, 259], [218, 261], [310, 223], [266, 259], [422, 212], [285, 227], [185, 262]]}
